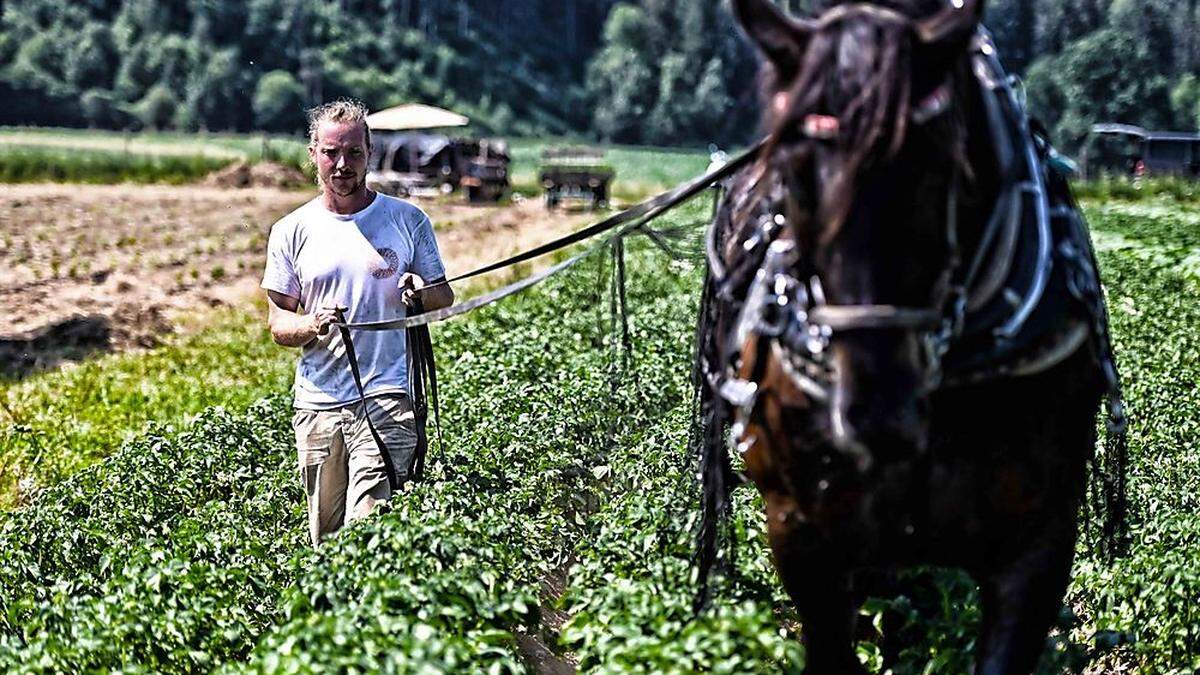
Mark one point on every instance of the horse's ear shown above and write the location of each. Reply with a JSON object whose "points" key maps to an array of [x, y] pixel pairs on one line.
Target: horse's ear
{"points": [[956, 20], [781, 39]]}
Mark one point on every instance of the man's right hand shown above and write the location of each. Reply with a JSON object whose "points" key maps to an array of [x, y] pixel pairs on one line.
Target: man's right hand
{"points": [[322, 319], [290, 329]]}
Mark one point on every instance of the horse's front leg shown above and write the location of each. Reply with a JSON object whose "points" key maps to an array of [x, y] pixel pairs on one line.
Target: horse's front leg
{"points": [[1021, 602], [820, 591]]}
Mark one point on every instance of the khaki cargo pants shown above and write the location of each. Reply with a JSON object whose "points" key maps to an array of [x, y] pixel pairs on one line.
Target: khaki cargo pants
{"points": [[340, 465]]}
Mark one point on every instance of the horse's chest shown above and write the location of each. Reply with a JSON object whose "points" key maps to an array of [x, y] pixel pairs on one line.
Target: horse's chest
{"points": [[945, 510]]}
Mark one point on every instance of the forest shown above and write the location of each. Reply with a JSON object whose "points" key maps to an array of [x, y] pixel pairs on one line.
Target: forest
{"points": [[664, 72]]}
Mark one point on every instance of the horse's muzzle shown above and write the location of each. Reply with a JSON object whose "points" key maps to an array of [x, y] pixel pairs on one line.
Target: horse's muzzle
{"points": [[877, 413]]}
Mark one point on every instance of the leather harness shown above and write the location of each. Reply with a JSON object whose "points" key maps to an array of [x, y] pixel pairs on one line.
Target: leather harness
{"points": [[999, 315], [422, 378]]}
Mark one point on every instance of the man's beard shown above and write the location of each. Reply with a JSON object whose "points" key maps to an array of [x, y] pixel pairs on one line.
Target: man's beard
{"points": [[340, 188]]}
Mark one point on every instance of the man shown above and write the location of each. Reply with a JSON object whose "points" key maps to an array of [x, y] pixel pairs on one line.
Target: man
{"points": [[371, 255]]}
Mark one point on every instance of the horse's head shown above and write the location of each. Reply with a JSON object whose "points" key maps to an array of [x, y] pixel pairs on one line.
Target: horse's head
{"points": [[867, 137]]}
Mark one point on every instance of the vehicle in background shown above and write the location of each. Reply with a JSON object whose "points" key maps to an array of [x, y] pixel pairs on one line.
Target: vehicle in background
{"points": [[1127, 150], [485, 176], [408, 158], [421, 164], [574, 173]]}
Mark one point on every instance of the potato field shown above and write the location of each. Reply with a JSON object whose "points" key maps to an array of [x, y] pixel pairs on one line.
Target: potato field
{"points": [[554, 530]]}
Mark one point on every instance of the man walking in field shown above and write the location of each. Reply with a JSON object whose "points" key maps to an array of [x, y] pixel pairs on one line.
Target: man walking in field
{"points": [[371, 255]]}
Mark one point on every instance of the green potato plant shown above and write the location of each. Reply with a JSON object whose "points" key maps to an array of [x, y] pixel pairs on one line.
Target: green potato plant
{"points": [[563, 458]]}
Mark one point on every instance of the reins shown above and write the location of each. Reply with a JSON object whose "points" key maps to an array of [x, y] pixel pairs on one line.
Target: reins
{"points": [[422, 363], [625, 222]]}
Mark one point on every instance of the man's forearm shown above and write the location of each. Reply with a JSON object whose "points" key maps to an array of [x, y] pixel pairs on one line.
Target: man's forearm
{"points": [[292, 330], [437, 297]]}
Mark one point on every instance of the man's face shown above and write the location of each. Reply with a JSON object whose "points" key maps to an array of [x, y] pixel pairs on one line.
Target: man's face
{"points": [[340, 155]]}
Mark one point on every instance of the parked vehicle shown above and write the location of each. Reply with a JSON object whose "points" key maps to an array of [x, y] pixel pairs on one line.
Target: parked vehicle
{"points": [[410, 158], [423, 164], [1126, 150], [485, 177], [413, 164], [575, 174]]}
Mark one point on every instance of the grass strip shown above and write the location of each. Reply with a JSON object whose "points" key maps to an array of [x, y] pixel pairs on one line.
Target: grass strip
{"points": [[55, 423], [35, 164]]}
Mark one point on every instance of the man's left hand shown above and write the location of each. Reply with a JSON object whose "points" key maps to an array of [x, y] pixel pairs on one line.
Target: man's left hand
{"points": [[410, 287]]}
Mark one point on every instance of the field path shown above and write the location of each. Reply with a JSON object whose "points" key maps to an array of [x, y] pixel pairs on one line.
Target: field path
{"points": [[111, 268]]}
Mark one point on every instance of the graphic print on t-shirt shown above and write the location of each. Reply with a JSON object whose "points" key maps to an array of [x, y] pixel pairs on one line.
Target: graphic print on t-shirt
{"points": [[392, 260]]}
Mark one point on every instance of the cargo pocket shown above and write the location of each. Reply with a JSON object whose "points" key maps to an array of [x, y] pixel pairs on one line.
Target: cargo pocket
{"points": [[394, 420], [314, 436]]}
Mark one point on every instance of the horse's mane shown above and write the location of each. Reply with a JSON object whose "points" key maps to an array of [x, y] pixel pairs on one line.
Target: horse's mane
{"points": [[857, 71]]}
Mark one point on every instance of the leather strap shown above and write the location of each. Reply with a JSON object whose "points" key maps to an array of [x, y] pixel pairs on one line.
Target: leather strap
{"points": [[388, 465], [646, 211], [628, 220], [422, 378], [873, 317]]}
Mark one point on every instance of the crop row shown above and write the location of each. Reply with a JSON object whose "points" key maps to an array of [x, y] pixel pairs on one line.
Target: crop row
{"points": [[1152, 596], [184, 552]]}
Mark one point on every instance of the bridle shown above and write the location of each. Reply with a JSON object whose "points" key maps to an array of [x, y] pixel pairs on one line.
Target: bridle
{"points": [[789, 310], [785, 306]]}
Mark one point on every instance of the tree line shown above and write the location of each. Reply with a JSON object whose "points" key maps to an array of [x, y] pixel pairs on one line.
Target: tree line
{"points": [[1087, 61], [514, 65], [637, 71]]}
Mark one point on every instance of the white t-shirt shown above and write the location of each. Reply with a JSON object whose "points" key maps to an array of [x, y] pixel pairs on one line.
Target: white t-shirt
{"points": [[355, 261]]}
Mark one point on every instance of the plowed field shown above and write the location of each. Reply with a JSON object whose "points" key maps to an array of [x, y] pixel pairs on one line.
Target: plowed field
{"points": [[98, 268]]}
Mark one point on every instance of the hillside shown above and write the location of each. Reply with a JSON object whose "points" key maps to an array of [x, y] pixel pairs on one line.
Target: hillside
{"points": [[515, 65], [664, 72]]}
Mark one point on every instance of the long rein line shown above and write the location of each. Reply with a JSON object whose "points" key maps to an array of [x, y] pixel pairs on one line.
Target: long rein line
{"points": [[422, 361], [624, 222]]}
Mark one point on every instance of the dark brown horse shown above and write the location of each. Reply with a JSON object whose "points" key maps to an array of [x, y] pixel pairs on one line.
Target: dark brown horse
{"points": [[903, 331]]}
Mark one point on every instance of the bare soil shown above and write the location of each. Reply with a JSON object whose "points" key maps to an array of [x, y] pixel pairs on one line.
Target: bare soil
{"points": [[242, 174], [103, 268]]}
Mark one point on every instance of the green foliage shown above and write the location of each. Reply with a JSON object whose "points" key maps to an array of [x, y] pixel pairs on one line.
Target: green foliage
{"points": [[1185, 101], [1133, 61], [278, 101], [185, 550], [1149, 255], [173, 555], [160, 558], [515, 66], [621, 79], [632, 591], [53, 424], [1105, 77], [655, 80], [1108, 188], [156, 110], [100, 109]]}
